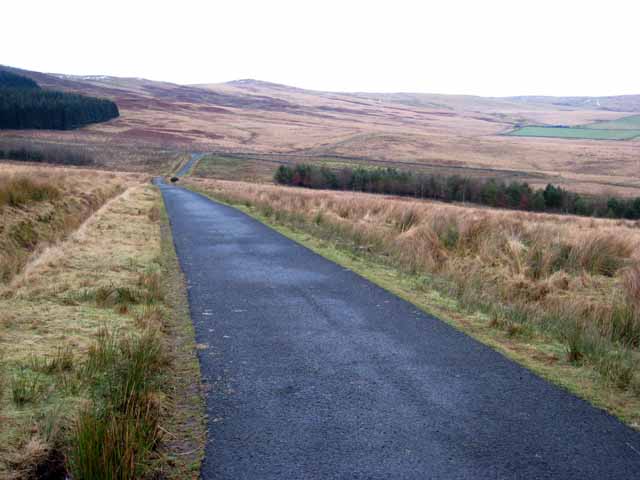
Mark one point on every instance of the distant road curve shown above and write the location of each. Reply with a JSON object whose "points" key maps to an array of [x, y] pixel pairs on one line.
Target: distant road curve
{"points": [[186, 168], [315, 373]]}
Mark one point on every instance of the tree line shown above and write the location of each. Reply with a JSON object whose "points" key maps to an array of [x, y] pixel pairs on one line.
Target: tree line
{"points": [[11, 80], [455, 188], [57, 155], [24, 105]]}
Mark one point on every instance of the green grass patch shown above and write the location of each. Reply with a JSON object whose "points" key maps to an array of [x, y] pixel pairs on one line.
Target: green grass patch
{"points": [[217, 166], [631, 122], [625, 128], [587, 133]]}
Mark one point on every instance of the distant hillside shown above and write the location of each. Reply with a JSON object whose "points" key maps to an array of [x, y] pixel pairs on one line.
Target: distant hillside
{"points": [[264, 124], [618, 103], [24, 105]]}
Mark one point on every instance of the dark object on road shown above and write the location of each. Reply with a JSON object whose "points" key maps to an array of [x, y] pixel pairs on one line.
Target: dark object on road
{"points": [[174, 179]]}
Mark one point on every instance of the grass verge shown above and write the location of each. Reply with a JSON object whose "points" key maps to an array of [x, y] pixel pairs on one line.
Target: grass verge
{"points": [[98, 374], [40, 206], [584, 340], [182, 448]]}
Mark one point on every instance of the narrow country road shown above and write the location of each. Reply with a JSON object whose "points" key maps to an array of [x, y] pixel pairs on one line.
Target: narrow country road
{"points": [[186, 168], [315, 373]]}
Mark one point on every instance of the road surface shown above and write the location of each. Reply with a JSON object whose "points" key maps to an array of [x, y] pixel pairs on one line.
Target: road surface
{"points": [[315, 373], [186, 168]]}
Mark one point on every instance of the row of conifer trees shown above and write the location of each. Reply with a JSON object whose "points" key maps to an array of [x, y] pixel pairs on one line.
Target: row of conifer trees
{"points": [[455, 188]]}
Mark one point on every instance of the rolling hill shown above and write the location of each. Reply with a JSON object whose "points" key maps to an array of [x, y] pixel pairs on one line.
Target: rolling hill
{"points": [[266, 120]]}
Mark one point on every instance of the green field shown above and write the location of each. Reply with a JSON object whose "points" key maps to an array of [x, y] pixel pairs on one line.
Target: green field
{"points": [[625, 123], [225, 167], [621, 129]]}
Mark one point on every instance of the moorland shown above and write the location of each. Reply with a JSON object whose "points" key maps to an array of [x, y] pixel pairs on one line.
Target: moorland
{"points": [[96, 345]]}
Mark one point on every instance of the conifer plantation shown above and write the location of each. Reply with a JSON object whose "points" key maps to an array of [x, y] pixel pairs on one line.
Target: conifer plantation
{"points": [[455, 188], [24, 105]]}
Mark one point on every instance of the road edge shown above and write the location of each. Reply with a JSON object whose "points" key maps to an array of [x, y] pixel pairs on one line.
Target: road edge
{"points": [[182, 447], [446, 309]]}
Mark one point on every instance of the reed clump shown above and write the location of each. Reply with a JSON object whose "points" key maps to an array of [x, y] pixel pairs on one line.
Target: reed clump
{"points": [[113, 436]]}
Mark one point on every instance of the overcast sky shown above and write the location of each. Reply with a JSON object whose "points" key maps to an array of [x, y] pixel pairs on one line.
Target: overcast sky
{"points": [[483, 47]]}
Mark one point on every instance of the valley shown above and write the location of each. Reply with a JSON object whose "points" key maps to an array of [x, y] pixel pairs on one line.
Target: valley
{"points": [[254, 280], [257, 121]]}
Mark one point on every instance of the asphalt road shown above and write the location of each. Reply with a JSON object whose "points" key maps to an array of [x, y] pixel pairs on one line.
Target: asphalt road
{"points": [[186, 168], [315, 373]]}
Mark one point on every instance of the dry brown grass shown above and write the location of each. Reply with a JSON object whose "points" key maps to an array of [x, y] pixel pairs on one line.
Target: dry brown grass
{"points": [[100, 288], [631, 284], [50, 309], [41, 205], [380, 212], [17, 191], [123, 156], [571, 279]]}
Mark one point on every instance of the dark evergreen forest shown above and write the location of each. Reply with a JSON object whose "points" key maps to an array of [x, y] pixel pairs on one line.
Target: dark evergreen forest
{"points": [[24, 105]]}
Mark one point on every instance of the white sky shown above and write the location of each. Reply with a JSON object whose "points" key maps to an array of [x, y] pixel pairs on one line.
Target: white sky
{"points": [[484, 47]]}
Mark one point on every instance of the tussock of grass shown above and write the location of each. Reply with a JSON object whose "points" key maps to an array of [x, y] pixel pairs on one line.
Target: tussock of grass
{"points": [[125, 364], [617, 367], [150, 316], [622, 325], [21, 190], [114, 436], [148, 291], [405, 219], [121, 298], [580, 342], [26, 387], [112, 447], [60, 361], [631, 285], [554, 279], [150, 283], [601, 254]]}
